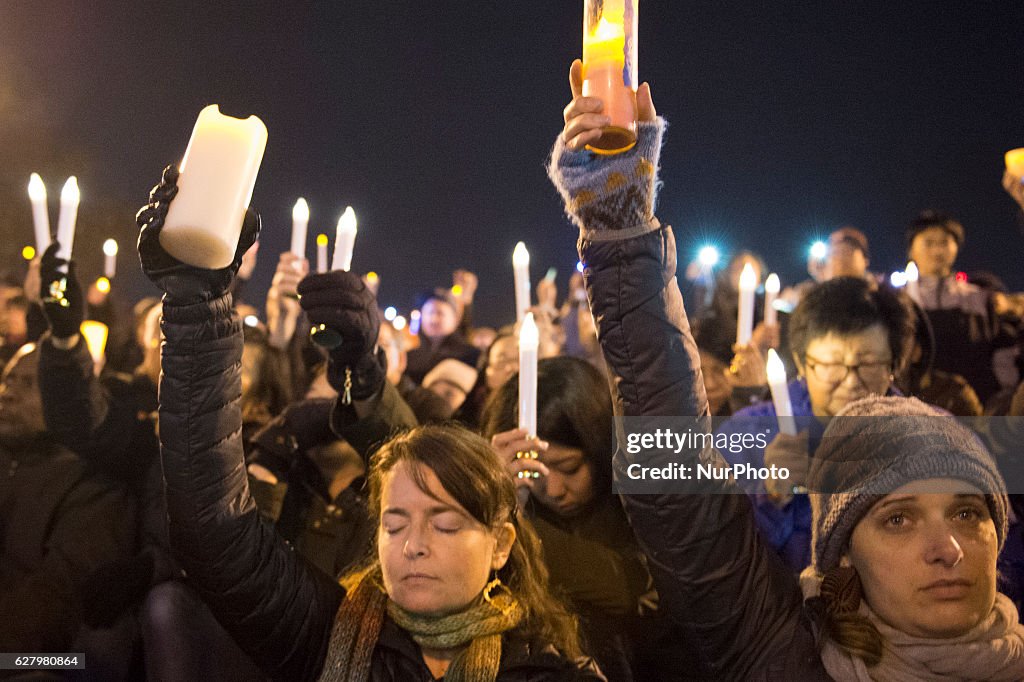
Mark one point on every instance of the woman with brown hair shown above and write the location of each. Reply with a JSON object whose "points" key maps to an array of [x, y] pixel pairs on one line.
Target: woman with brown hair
{"points": [[909, 513], [455, 590]]}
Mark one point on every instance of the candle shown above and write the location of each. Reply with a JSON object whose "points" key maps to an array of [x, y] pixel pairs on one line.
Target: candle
{"points": [[69, 197], [529, 339], [745, 317], [300, 221], [95, 335], [109, 258], [780, 393], [344, 240], [40, 213], [771, 292], [321, 253], [218, 173], [414, 322], [913, 275], [1015, 162], [610, 69], [521, 272]]}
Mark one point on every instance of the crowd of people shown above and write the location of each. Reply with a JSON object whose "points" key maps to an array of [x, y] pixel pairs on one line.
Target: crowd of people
{"points": [[219, 497]]}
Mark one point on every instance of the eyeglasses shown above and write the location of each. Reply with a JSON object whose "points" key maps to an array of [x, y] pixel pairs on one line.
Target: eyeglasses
{"points": [[836, 372]]}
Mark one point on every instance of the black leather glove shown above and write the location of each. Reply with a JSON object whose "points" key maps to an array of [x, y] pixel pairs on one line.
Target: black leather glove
{"points": [[63, 303], [184, 284], [340, 302]]}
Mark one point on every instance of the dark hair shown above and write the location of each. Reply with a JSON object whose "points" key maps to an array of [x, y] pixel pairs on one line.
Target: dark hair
{"points": [[931, 218], [574, 408], [271, 389], [849, 305], [439, 294], [469, 470]]}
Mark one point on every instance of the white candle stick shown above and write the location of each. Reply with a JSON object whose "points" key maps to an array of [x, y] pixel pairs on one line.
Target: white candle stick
{"points": [[529, 339], [321, 253], [109, 258], [300, 221], [218, 173], [521, 271], [780, 393], [40, 212], [69, 198], [772, 286], [745, 317], [344, 240], [913, 275]]}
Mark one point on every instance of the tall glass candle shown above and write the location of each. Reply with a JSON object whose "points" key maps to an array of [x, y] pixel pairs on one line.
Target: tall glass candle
{"points": [[772, 286], [529, 340], [521, 272], [745, 316], [321, 253], [218, 174], [344, 240], [109, 258], [300, 221], [780, 393], [69, 197], [610, 69], [40, 212]]}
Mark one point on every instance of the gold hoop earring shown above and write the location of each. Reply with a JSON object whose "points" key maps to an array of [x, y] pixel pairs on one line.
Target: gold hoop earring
{"points": [[491, 599]]}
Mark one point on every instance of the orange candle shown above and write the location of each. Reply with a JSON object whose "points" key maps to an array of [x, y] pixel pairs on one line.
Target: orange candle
{"points": [[610, 69]]}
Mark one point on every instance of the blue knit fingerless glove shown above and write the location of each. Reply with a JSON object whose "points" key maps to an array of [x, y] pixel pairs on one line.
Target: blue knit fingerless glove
{"points": [[611, 197]]}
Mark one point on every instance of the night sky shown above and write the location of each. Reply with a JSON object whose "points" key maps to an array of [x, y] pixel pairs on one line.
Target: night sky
{"points": [[433, 120]]}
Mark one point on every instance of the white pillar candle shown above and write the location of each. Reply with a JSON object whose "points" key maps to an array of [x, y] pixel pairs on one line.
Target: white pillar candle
{"points": [[109, 258], [780, 393], [218, 174], [40, 212], [745, 316], [321, 253], [529, 340], [300, 221], [521, 271], [771, 292], [913, 275], [414, 323], [95, 335], [69, 198], [344, 240]]}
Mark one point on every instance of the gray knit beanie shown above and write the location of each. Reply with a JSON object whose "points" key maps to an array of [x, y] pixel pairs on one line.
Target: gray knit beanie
{"points": [[878, 444]]}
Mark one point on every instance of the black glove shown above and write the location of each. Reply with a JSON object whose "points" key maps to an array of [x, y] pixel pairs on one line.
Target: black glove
{"points": [[340, 302], [184, 284], [63, 303]]}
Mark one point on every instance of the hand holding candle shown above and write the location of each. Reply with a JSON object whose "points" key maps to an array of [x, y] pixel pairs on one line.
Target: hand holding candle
{"points": [[521, 272], [40, 212]]}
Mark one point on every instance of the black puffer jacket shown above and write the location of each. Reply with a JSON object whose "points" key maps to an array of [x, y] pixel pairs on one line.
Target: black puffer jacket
{"points": [[278, 608], [739, 604]]}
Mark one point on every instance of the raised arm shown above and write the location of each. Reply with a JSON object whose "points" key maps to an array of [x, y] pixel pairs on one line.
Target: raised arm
{"points": [[714, 575], [274, 605]]}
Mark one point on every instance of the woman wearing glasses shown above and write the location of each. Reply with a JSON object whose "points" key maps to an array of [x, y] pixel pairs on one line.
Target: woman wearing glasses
{"points": [[849, 340]]}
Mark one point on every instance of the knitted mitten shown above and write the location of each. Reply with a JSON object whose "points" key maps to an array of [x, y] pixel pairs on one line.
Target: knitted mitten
{"points": [[610, 197]]}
